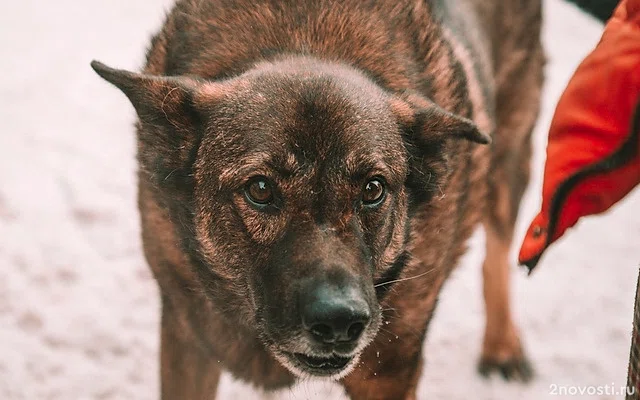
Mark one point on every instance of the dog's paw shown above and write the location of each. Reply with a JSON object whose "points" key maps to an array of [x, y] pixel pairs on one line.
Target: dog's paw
{"points": [[514, 369]]}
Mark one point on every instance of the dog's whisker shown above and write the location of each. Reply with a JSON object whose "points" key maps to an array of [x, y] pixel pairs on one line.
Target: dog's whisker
{"points": [[388, 332], [403, 279], [397, 319]]}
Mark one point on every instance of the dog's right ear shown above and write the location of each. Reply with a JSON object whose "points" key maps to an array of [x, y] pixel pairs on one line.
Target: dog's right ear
{"points": [[158, 100], [171, 112]]}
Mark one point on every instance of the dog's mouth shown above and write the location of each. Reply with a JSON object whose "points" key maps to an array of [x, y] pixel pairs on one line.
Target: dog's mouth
{"points": [[321, 366]]}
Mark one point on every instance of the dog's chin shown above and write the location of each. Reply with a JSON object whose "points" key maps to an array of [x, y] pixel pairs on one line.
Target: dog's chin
{"points": [[305, 365]]}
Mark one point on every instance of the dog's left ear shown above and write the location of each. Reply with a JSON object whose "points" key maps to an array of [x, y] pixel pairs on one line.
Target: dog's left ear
{"points": [[425, 122], [428, 132]]}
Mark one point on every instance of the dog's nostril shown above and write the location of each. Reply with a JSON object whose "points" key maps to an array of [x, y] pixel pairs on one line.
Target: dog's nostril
{"points": [[335, 322], [334, 314], [354, 331], [323, 333]]}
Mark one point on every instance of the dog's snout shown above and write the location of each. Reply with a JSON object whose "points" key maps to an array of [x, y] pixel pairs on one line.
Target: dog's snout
{"points": [[332, 314]]}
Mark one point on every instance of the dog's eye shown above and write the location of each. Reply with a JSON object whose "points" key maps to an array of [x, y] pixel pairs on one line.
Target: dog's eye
{"points": [[373, 192], [259, 191]]}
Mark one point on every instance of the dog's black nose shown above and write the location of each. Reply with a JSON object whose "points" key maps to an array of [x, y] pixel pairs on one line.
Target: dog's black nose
{"points": [[334, 314]]}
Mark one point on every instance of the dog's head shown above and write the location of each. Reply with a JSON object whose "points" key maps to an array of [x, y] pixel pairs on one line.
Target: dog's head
{"points": [[301, 180]]}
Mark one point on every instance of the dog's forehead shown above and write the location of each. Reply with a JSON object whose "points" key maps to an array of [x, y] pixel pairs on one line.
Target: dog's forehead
{"points": [[317, 123], [326, 137]]}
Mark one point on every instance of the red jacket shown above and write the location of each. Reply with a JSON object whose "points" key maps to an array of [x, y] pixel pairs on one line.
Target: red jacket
{"points": [[593, 155]]}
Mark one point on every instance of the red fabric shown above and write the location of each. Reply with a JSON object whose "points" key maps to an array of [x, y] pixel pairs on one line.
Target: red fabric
{"points": [[592, 121]]}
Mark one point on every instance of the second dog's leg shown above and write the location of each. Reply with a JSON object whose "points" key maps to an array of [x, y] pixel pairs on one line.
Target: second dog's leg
{"points": [[508, 177], [518, 97], [501, 350]]}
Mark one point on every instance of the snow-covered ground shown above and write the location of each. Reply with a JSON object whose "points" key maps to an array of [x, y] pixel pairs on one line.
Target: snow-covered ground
{"points": [[79, 309]]}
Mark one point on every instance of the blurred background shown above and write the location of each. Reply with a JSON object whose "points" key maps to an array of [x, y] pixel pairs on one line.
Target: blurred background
{"points": [[79, 310]]}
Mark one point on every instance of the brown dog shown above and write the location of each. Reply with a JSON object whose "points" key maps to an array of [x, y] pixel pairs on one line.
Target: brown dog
{"points": [[310, 171]]}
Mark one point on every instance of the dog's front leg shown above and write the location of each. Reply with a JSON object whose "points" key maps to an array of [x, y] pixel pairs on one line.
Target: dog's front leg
{"points": [[385, 372], [188, 371]]}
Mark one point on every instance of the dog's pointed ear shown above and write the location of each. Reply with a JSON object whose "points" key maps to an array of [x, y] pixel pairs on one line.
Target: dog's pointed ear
{"points": [[426, 122], [172, 113], [436, 120], [429, 132], [158, 100]]}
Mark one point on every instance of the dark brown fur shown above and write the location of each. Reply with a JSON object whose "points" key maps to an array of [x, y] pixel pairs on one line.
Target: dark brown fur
{"points": [[319, 94]]}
